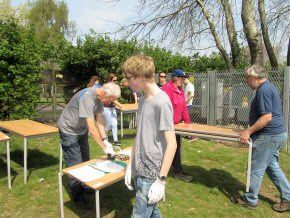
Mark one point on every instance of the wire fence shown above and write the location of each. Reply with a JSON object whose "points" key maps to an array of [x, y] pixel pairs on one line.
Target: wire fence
{"points": [[221, 98]]}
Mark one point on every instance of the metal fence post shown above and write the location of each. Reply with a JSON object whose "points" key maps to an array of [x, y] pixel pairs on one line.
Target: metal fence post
{"points": [[286, 105], [211, 103]]}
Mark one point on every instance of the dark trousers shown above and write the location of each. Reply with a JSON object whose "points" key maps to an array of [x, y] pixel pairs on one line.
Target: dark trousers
{"points": [[177, 157], [76, 150]]}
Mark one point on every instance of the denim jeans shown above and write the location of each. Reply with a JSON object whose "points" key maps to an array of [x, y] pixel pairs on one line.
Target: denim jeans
{"points": [[177, 157], [142, 209], [190, 110], [110, 116], [265, 157], [76, 150]]}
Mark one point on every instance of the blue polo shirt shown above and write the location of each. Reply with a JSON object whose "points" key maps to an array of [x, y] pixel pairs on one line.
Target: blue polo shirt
{"points": [[268, 100]]}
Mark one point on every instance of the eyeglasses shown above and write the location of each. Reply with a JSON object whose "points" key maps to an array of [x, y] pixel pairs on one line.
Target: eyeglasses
{"points": [[114, 80], [162, 76], [128, 77]]}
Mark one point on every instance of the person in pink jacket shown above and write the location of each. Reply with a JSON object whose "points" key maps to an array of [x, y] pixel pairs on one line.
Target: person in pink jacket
{"points": [[174, 90]]}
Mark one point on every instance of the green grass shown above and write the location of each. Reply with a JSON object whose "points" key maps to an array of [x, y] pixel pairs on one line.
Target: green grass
{"points": [[218, 171]]}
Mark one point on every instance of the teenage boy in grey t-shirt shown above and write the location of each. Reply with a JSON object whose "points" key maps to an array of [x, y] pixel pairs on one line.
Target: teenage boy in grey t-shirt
{"points": [[76, 121], [155, 142]]}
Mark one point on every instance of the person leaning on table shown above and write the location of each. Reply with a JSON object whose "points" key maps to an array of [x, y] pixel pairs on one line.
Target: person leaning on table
{"points": [[76, 120], [268, 134]]}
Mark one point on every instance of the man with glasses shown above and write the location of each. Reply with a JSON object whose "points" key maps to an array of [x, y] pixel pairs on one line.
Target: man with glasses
{"points": [[76, 121], [174, 90], [162, 80], [268, 134]]}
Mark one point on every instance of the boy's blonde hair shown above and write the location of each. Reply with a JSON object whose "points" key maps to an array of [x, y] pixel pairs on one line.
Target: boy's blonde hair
{"points": [[139, 65]]}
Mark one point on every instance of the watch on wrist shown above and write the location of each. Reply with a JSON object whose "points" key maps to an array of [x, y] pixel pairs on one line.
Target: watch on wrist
{"points": [[162, 178]]}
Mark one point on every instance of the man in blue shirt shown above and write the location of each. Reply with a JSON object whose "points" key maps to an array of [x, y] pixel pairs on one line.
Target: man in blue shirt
{"points": [[268, 134]]}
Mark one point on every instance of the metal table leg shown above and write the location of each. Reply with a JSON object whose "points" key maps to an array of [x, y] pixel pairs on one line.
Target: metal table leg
{"points": [[60, 194], [8, 164], [121, 124], [25, 160], [249, 165], [97, 204]]}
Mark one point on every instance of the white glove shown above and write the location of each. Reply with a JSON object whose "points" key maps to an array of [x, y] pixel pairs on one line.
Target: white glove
{"points": [[128, 178], [109, 148], [156, 191]]}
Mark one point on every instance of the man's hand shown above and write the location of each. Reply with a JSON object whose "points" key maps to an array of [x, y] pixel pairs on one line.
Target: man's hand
{"points": [[109, 147], [128, 178], [156, 191], [245, 136]]}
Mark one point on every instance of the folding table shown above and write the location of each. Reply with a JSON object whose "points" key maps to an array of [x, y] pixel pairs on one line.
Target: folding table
{"points": [[4, 138], [103, 182], [128, 108], [217, 133], [28, 129]]}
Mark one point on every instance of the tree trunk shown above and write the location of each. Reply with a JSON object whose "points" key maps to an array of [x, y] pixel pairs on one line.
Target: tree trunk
{"points": [[232, 33], [251, 30], [288, 54], [215, 35], [268, 45]]}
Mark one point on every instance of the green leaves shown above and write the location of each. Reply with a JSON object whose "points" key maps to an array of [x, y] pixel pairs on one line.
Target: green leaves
{"points": [[19, 69]]}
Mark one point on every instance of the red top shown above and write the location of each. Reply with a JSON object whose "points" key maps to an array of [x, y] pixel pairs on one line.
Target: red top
{"points": [[177, 98]]}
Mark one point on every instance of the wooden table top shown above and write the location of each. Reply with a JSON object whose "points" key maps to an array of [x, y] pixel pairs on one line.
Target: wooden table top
{"points": [[3, 137], [130, 107], [104, 181], [206, 129], [28, 128]]}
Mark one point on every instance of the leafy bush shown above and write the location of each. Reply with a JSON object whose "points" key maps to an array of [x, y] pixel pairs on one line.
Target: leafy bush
{"points": [[19, 69]]}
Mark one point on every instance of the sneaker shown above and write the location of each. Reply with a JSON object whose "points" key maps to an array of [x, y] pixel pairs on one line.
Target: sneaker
{"points": [[82, 202], [281, 207], [117, 146], [239, 200], [183, 176]]}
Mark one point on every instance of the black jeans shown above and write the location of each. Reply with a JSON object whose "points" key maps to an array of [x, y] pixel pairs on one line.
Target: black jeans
{"points": [[177, 157]]}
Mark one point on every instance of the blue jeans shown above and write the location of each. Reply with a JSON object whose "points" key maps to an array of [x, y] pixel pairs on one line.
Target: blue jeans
{"points": [[265, 157], [177, 157], [110, 116], [142, 209], [76, 150], [190, 109]]}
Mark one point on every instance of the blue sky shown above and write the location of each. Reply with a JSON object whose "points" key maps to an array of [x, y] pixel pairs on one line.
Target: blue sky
{"points": [[96, 14]]}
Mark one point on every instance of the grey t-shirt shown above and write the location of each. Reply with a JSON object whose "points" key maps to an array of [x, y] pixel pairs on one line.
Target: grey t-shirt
{"points": [[84, 104], [155, 116]]}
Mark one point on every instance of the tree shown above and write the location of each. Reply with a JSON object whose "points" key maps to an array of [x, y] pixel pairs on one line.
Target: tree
{"points": [[19, 69]]}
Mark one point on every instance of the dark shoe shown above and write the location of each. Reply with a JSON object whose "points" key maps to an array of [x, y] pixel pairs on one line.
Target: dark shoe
{"points": [[183, 176], [281, 207], [82, 202], [117, 146], [239, 200]]}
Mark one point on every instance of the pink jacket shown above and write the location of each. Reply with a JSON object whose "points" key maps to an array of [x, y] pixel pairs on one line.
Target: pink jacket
{"points": [[177, 98]]}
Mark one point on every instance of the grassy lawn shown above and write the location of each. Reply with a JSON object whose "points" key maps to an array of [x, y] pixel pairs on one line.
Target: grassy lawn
{"points": [[219, 171]]}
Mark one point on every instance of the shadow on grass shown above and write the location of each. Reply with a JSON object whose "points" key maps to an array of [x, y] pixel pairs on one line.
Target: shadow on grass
{"points": [[35, 158], [3, 170], [113, 199], [220, 179]]}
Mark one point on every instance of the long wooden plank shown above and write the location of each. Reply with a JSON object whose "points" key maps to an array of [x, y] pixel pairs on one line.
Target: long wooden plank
{"points": [[208, 130], [28, 128], [3, 137], [206, 136]]}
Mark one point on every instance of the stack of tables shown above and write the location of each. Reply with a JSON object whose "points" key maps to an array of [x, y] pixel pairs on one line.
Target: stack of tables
{"points": [[128, 109], [4, 138], [28, 129], [216, 133]]}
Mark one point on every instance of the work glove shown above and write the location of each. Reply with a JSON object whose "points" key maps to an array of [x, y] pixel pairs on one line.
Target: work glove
{"points": [[109, 148], [156, 191], [128, 177]]}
